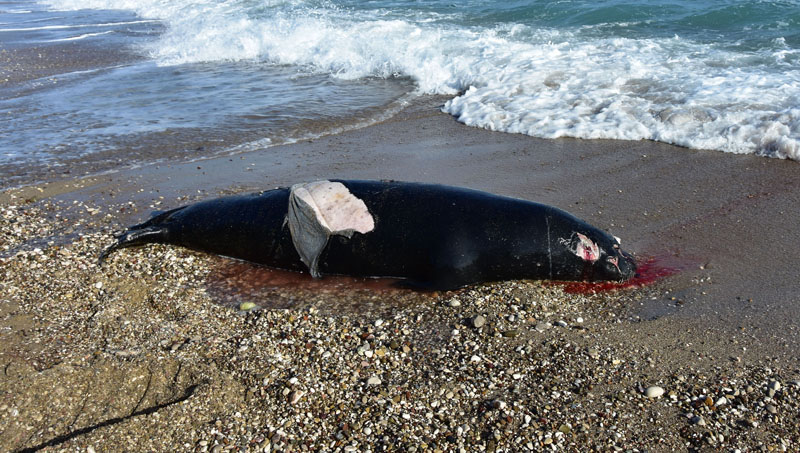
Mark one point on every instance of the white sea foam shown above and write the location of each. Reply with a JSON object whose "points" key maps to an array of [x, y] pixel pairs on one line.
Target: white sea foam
{"points": [[513, 78], [82, 36], [67, 27]]}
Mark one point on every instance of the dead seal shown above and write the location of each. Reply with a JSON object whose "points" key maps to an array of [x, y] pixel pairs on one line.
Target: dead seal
{"points": [[433, 236]]}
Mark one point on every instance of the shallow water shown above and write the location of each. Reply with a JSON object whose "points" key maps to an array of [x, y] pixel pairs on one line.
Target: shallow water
{"points": [[245, 73]]}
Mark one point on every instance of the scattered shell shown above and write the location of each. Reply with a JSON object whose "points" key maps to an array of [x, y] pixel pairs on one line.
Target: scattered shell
{"points": [[654, 391], [295, 396]]}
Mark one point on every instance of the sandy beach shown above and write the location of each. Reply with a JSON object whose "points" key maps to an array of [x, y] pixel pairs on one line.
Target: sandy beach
{"points": [[152, 352]]}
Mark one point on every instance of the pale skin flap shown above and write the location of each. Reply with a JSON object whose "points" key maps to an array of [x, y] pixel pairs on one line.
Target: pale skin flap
{"points": [[319, 210]]}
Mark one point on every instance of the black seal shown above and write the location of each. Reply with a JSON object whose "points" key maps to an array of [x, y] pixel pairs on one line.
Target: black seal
{"points": [[434, 236]]}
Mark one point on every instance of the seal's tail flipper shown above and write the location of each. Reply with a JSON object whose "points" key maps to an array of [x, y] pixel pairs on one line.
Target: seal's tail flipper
{"points": [[133, 237], [153, 230]]}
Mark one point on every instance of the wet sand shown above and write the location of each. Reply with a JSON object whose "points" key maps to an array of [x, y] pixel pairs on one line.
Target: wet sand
{"points": [[722, 324]]}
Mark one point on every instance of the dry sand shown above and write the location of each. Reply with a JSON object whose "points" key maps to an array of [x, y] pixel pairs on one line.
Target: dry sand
{"points": [[151, 353]]}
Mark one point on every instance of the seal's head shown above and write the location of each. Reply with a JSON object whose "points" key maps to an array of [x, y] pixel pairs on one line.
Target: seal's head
{"points": [[601, 256]]}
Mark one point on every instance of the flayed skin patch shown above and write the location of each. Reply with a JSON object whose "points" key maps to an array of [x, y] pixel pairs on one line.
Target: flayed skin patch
{"points": [[587, 249], [583, 247], [335, 207], [319, 210]]}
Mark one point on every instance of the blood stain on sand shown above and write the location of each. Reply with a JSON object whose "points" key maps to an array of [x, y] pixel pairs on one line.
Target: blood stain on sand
{"points": [[648, 271], [233, 282]]}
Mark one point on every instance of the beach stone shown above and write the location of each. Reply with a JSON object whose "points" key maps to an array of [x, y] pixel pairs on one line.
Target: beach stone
{"points": [[478, 321], [454, 303], [775, 385], [772, 409], [246, 306], [541, 326], [654, 391], [561, 323], [374, 380]]}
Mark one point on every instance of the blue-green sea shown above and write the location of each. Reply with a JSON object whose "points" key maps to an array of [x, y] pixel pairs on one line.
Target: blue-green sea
{"points": [[719, 75]]}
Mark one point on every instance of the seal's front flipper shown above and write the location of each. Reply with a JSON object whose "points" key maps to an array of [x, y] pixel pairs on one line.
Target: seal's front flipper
{"points": [[134, 237]]}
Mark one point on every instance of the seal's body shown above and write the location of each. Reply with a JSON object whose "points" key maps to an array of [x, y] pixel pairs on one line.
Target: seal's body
{"points": [[435, 236]]}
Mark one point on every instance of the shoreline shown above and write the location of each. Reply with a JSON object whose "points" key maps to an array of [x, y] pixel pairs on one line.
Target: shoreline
{"points": [[721, 327]]}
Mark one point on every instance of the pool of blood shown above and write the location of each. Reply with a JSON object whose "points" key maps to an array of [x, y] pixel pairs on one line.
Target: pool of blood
{"points": [[648, 271], [247, 276], [233, 281]]}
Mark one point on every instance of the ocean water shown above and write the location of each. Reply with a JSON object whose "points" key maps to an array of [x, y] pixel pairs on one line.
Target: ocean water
{"points": [[721, 75]]}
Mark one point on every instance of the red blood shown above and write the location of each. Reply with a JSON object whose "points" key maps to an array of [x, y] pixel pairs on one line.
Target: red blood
{"points": [[251, 277], [647, 272]]}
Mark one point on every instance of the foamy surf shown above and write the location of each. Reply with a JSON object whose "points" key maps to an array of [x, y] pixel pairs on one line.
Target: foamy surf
{"points": [[585, 74]]}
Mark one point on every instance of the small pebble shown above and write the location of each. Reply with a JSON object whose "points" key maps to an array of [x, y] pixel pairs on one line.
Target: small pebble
{"points": [[374, 380], [478, 321], [697, 420], [246, 306], [772, 409]]}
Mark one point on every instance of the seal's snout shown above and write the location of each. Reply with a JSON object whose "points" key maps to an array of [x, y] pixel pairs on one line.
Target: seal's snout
{"points": [[627, 266]]}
